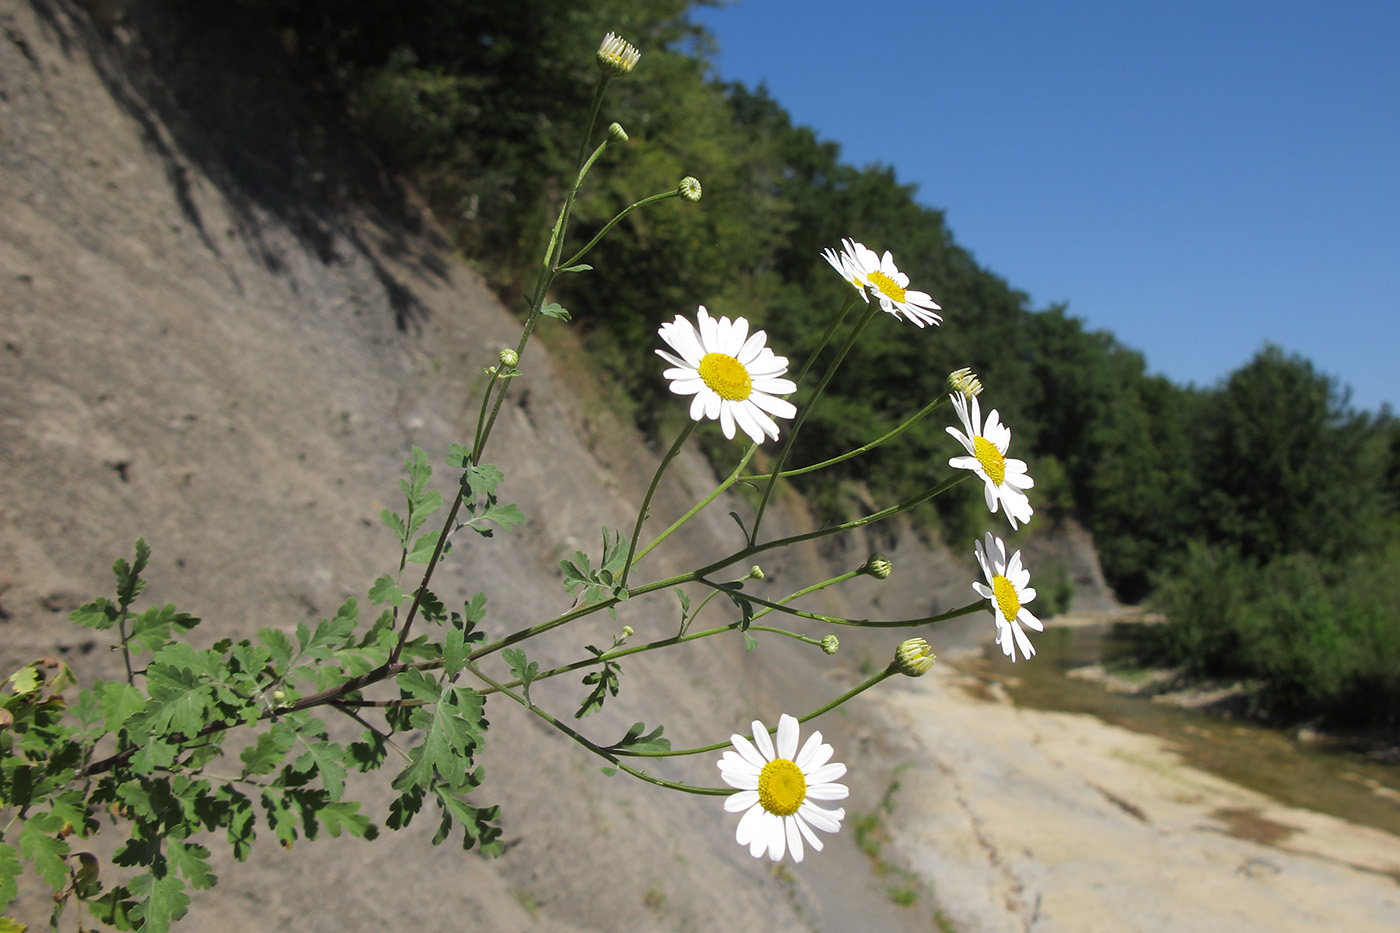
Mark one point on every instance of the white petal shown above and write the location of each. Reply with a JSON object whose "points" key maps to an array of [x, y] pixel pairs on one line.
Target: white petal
{"points": [[825, 820], [812, 838], [810, 749], [748, 826], [828, 792], [788, 731], [740, 801], [794, 838], [726, 420], [747, 750], [762, 742], [777, 837], [825, 773]]}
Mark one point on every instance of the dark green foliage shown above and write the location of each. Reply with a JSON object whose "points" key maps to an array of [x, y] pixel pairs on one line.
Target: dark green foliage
{"points": [[1323, 638]]}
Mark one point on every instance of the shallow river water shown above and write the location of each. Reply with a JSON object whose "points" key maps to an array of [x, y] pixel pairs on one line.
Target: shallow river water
{"points": [[1340, 783]]}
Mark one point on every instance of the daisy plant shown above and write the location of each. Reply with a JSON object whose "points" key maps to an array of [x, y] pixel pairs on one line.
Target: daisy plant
{"points": [[418, 675]]}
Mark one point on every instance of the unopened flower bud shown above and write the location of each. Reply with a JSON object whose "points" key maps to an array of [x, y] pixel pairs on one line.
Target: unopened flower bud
{"points": [[689, 188], [755, 572], [508, 357], [616, 57], [279, 695], [914, 657], [965, 381], [627, 631], [830, 644], [616, 133], [490, 370], [878, 566]]}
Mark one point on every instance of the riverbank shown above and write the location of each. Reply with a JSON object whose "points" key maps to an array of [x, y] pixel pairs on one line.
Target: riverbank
{"points": [[1025, 819]]}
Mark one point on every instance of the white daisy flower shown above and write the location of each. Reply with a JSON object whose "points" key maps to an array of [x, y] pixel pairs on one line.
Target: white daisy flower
{"points": [[777, 790], [733, 376], [864, 268], [1009, 591], [616, 56], [845, 266], [1005, 479]]}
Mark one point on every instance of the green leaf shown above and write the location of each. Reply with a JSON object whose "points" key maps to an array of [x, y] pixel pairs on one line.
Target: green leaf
{"points": [[38, 840], [99, 614], [385, 590], [160, 900], [635, 741], [191, 860], [27, 679], [685, 601], [423, 548], [266, 754], [458, 455], [507, 516], [581, 267], [151, 630], [452, 728], [129, 582], [329, 759], [477, 827], [280, 645], [345, 816], [395, 523], [556, 310], [482, 480], [10, 868], [750, 643], [523, 669], [120, 701]]}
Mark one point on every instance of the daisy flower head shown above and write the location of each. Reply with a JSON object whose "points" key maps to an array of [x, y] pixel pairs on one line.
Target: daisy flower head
{"points": [[882, 279], [735, 378], [845, 266], [1005, 480], [616, 56], [1008, 587], [777, 787]]}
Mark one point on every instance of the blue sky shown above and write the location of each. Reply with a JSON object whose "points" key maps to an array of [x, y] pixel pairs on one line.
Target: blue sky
{"points": [[1198, 178]]}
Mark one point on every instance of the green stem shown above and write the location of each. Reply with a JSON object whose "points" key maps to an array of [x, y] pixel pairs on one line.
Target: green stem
{"points": [[695, 510], [909, 423], [859, 623], [855, 691], [651, 491], [608, 755], [682, 637], [806, 410], [573, 260]]}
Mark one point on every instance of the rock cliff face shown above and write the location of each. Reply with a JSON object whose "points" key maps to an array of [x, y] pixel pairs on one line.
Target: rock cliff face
{"points": [[224, 331]]}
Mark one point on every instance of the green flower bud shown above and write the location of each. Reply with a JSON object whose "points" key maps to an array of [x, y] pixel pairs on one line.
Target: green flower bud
{"points": [[616, 133], [616, 57], [689, 188], [279, 695], [508, 357], [878, 566], [965, 381], [830, 644], [627, 631], [755, 572], [914, 657]]}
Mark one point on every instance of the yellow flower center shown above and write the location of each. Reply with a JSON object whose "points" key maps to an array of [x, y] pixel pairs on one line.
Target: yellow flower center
{"points": [[1007, 600], [726, 375], [781, 787], [887, 285], [991, 459]]}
